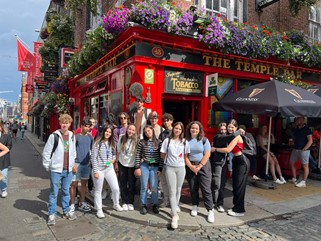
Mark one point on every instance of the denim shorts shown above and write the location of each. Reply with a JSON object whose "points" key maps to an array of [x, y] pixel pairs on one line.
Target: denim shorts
{"points": [[300, 155], [83, 172]]}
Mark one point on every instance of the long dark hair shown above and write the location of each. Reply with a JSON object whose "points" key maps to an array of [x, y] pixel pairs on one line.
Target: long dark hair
{"points": [[125, 138], [154, 139], [101, 138], [200, 134], [181, 136]]}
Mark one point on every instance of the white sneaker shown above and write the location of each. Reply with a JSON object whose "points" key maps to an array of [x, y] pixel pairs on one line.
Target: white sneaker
{"points": [[220, 209], [4, 194], [100, 214], [51, 220], [194, 211], [301, 184], [118, 208], [282, 179], [104, 194], [72, 209], [131, 207], [293, 180], [210, 216], [277, 181], [174, 223], [234, 214], [125, 207]]}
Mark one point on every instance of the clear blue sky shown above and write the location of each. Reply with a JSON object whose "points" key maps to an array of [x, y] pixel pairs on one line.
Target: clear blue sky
{"points": [[19, 17]]}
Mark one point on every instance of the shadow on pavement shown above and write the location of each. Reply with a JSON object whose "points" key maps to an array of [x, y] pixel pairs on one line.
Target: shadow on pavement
{"points": [[36, 207]]}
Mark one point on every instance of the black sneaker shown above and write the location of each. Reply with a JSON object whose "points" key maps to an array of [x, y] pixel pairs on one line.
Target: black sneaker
{"points": [[144, 210], [155, 209]]}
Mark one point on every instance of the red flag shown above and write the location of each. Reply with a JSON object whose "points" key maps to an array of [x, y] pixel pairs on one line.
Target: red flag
{"points": [[30, 85], [38, 60], [25, 58]]}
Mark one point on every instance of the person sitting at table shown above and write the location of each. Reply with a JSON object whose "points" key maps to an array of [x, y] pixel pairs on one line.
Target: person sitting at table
{"points": [[262, 142]]}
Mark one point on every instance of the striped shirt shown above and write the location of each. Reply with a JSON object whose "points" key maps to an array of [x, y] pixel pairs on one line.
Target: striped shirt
{"points": [[149, 153], [101, 156]]}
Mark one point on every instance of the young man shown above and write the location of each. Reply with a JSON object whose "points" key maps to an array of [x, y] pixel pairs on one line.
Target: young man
{"points": [[302, 142], [84, 143], [167, 123], [92, 130], [60, 163], [153, 119], [140, 116]]}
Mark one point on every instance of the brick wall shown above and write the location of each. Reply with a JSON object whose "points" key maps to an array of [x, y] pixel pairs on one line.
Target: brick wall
{"points": [[278, 17]]}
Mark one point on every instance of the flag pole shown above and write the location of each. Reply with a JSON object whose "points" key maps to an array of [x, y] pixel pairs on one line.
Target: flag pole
{"points": [[23, 43]]}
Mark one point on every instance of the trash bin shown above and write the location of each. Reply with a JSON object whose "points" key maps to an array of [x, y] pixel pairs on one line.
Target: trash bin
{"points": [[284, 161]]}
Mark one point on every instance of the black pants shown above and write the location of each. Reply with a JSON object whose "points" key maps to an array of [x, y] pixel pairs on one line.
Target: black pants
{"points": [[241, 168], [202, 180], [253, 164], [217, 168], [127, 183], [221, 191]]}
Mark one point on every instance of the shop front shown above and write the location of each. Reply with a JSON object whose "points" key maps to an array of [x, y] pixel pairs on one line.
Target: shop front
{"points": [[174, 74]]}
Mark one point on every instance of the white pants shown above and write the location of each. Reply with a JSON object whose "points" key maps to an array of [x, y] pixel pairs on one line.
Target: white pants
{"points": [[111, 178]]}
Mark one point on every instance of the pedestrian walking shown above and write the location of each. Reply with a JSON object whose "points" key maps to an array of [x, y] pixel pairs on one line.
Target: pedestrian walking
{"points": [[22, 128], [148, 167], [58, 158], [126, 153], [198, 173], [103, 158], [174, 150]]}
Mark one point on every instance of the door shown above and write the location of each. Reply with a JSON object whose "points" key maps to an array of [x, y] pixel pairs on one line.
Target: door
{"points": [[183, 111]]}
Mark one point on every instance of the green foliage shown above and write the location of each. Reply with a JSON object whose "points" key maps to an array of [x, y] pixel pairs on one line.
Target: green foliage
{"points": [[296, 5], [49, 54], [73, 5], [61, 31], [96, 46]]}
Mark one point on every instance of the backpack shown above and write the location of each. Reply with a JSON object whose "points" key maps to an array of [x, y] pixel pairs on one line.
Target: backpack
{"points": [[56, 140], [249, 147]]}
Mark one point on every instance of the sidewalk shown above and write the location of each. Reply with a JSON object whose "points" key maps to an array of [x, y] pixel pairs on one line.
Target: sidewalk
{"points": [[260, 204]]}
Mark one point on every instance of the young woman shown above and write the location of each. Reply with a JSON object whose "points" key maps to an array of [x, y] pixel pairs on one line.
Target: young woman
{"points": [[5, 161], [241, 166], [148, 167], [198, 173], [3, 151], [126, 153], [174, 150], [102, 159], [219, 163], [262, 142]]}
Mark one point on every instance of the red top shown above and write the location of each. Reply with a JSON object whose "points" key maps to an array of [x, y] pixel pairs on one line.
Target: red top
{"points": [[93, 132], [238, 147]]}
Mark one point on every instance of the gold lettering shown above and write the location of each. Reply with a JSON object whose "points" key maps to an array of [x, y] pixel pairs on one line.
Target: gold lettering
{"points": [[298, 74], [217, 62], [255, 68], [226, 63], [275, 71], [207, 59], [269, 70], [238, 64], [247, 67], [263, 69]]}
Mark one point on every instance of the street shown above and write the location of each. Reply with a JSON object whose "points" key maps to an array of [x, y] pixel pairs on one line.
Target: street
{"points": [[24, 213]]}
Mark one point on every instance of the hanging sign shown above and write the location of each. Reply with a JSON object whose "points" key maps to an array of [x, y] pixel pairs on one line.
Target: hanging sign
{"points": [[264, 3]]}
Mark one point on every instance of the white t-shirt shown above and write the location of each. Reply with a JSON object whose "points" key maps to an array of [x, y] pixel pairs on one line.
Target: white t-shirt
{"points": [[127, 157], [175, 152]]}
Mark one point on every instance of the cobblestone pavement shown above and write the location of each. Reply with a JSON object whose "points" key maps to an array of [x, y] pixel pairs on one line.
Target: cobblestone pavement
{"points": [[303, 225], [23, 216]]}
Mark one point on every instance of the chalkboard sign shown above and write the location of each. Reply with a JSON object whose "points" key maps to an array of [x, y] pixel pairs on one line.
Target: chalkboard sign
{"points": [[183, 82]]}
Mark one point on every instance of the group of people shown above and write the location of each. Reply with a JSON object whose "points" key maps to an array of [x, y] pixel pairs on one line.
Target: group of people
{"points": [[159, 156]]}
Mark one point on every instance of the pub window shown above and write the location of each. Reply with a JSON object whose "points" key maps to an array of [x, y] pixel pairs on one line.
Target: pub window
{"points": [[223, 87], [94, 107], [101, 85], [315, 24], [91, 89], [103, 111]]}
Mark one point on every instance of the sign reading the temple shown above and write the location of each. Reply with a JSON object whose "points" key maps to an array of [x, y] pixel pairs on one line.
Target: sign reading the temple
{"points": [[183, 82]]}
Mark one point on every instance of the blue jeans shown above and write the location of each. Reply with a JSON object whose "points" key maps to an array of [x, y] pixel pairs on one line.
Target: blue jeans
{"points": [[149, 173], [55, 179], [4, 181]]}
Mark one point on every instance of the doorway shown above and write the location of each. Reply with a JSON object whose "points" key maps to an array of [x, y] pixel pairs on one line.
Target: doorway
{"points": [[184, 111]]}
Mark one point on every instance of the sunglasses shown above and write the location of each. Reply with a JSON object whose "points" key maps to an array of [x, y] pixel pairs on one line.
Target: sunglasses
{"points": [[122, 118], [166, 120]]}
